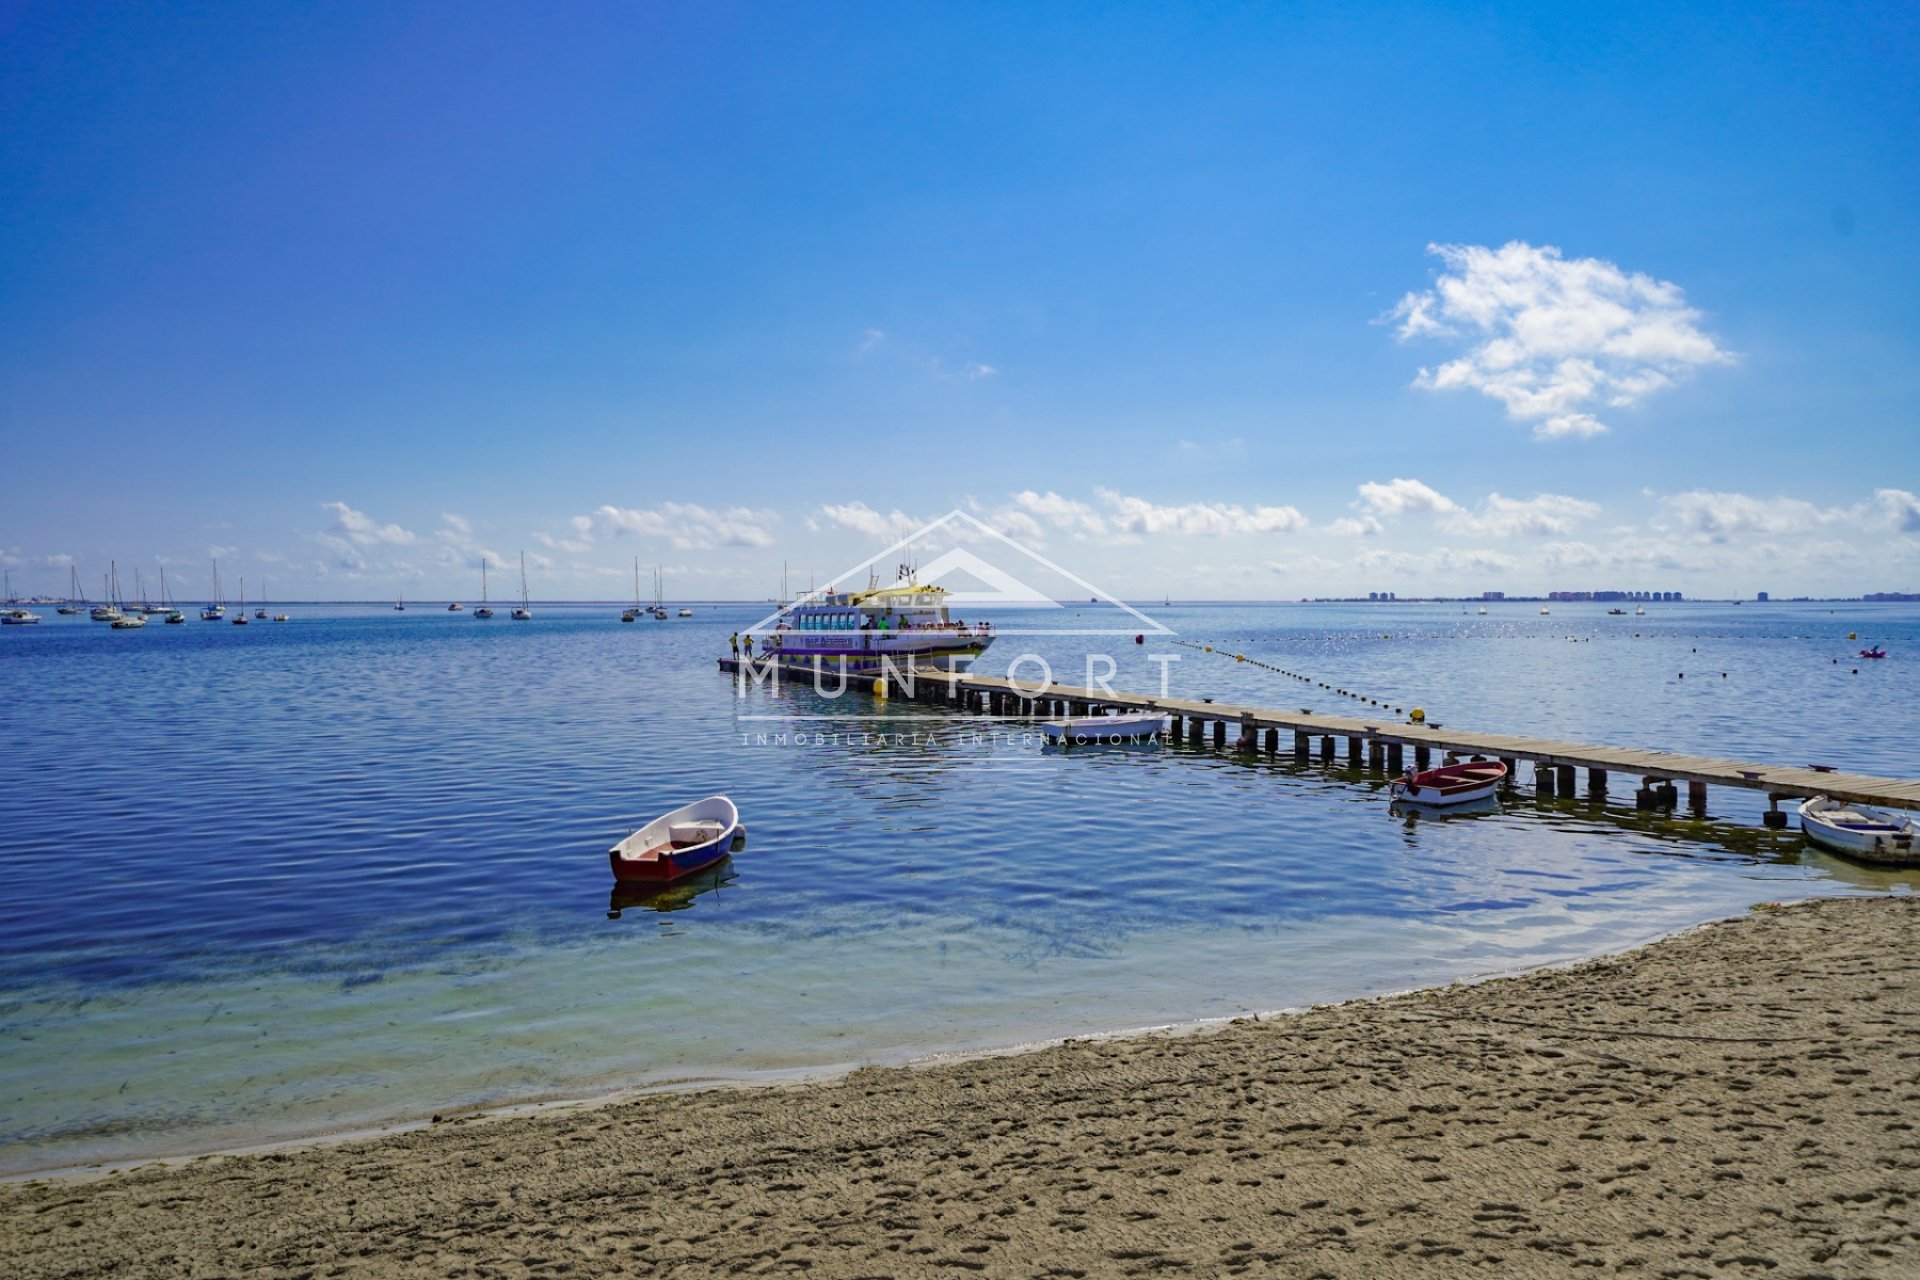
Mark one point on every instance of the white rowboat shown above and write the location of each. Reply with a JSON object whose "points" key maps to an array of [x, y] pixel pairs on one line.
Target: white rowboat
{"points": [[1128, 726], [1858, 830]]}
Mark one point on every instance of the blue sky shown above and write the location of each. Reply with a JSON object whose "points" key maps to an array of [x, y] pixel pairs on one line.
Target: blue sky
{"points": [[355, 294]]}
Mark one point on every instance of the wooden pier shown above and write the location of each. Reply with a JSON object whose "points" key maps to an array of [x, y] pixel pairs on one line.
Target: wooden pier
{"points": [[1386, 745]]}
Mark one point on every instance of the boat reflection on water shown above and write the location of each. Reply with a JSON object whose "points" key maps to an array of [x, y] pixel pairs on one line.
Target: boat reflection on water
{"points": [[676, 896], [1414, 812]]}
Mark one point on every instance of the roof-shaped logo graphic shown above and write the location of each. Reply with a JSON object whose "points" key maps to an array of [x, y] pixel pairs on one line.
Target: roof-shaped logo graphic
{"points": [[981, 570]]}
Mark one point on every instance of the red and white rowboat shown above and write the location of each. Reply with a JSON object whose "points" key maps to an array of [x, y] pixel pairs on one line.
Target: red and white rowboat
{"points": [[690, 838], [1451, 784]]}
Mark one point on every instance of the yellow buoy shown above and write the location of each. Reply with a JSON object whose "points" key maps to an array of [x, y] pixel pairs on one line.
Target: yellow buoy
{"points": [[879, 688], [1852, 636], [1239, 657], [1210, 647], [1417, 715]]}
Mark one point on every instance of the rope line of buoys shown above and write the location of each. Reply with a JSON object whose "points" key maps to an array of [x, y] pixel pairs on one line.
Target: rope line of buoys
{"points": [[1295, 675]]}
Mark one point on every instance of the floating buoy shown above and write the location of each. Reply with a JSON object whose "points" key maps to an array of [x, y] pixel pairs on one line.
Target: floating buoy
{"points": [[1139, 639], [1418, 716], [879, 688], [1852, 636], [1209, 648]]}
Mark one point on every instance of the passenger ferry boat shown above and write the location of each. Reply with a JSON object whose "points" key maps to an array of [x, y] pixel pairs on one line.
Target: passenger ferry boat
{"points": [[858, 630]]}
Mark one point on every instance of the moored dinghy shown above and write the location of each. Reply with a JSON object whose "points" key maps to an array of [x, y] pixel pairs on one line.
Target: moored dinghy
{"points": [[1859, 830], [1451, 784], [690, 838], [1126, 726]]}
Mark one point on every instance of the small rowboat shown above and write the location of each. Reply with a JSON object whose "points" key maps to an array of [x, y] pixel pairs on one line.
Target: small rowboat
{"points": [[1127, 726], [1856, 829], [1451, 784], [1875, 652], [679, 843]]}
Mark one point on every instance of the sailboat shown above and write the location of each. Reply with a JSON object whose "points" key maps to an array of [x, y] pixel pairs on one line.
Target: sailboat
{"points": [[484, 611], [1483, 608], [261, 612], [173, 614], [1639, 611], [75, 600], [15, 616], [633, 613], [240, 618], [106, 610], [216, 610], [523, 614], [400, 603], [659, 609], [124, 619]]}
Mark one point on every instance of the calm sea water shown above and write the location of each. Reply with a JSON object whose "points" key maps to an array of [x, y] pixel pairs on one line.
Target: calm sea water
{"points": [[282, 880]]}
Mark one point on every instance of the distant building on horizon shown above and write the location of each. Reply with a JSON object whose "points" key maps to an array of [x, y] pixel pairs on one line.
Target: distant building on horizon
{"points": [[1613, 595], [1761, 597]]}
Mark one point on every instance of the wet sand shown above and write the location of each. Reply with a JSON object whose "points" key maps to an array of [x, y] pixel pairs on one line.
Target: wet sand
{"points": [[1739, 1100]]}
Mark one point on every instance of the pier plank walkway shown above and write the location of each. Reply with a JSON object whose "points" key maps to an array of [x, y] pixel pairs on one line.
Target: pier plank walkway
{"points": [[1778, 781], [1021, 699]]}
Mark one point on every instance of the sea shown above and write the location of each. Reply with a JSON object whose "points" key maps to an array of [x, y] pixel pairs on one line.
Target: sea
{"points": [[270, 883]]}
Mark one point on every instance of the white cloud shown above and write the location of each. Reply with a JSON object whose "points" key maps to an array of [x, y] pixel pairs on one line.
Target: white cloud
{"points": [[871, 339], [1899, 509], [457, 524], [1197, 519], [579, 544], [861, 518], [1349, 527], [1017, 524], [1716, 517], [1062, 513], [689, 526], [1543, 515], [1398, 496], [363, 529], [1554, 339], [976, 371], [1437, 562]]}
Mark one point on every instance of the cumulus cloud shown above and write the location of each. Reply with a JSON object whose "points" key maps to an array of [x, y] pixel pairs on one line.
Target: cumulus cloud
{"points": [[689, 526], [1196, 519], [1398, 496], [1717, 517], [578, 544], [1439, 561], [1554, 339], [861, 518], [1543, 515], [1899, 509], [1061, 513], [362, 529], [1352, 527]]}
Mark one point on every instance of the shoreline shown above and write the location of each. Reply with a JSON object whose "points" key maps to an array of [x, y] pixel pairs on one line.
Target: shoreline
{"points": [[1724, 1100], [775, 1078]]}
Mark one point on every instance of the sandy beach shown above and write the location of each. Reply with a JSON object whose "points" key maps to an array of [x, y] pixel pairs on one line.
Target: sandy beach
{"points": [[1737, 1100]]}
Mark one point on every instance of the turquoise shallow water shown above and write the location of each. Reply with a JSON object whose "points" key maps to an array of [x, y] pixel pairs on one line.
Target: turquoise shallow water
{"points": [[275, 881]]}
